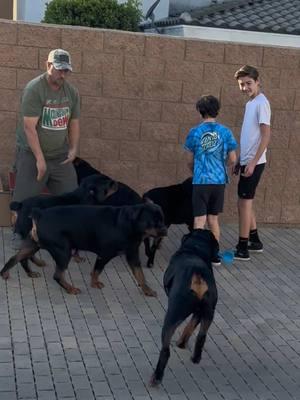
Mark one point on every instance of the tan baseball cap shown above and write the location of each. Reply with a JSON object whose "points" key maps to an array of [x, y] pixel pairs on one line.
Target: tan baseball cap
{"points": [[60, 59]]}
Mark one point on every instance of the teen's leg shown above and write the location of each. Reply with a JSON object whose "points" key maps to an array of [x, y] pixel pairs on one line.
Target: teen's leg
{"points": [[253, 225], [199, 206], [255, 243], [245, 216], [199, 222], [248, 236], [213, 224]]}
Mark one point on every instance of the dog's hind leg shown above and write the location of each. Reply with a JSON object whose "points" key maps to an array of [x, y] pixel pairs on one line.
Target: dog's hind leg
{"points": [[188, 331], [62, 256], [98, 268], [152, 251], [173, 319], [29, 248], [147, 246], [200, 340], [134, 262]]}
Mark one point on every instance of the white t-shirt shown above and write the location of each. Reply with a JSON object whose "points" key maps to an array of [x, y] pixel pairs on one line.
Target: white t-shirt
{"points": [[257, 112]]}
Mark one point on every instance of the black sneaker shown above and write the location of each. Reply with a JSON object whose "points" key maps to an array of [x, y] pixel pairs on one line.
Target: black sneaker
{"points": [[242, 255], [255, 247], [216, 262]]}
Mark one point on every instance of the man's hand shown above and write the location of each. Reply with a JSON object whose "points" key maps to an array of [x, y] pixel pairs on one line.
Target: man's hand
{"points": [[71, 156], [41, 168], [249, 169]]}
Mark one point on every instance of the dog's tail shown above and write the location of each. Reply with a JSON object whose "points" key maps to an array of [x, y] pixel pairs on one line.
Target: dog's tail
{"points": [[198, 285], [15, 205]]}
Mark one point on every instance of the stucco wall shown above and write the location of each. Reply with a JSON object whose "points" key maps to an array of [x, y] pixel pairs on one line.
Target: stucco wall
{"points": [[137, 97]]}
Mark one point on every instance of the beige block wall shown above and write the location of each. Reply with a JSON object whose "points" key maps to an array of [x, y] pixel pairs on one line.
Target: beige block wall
{"points": [[138, 95]]}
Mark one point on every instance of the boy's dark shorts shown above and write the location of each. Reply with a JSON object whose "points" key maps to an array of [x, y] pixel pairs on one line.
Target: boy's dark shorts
{"points": [[247, 185], [208, 199]]}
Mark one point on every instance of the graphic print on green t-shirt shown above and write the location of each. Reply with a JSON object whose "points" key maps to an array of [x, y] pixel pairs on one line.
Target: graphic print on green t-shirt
{"points": [[55, 118]]}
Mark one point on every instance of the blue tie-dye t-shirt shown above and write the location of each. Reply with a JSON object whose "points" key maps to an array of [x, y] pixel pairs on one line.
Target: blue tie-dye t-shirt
{"points": [[210, 143]]}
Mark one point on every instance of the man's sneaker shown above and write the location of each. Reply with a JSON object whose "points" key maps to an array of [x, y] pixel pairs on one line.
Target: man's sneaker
{"points": [[255, 247], [242, 255], [16, 241], [216, 262]]}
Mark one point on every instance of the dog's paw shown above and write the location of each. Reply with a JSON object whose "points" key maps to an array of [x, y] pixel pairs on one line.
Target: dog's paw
{"points": [[154, 381], [73, 290], [5, 275], [149, 264], [181, 344], [195, 360], [78, 259], [32, 274], [97, 284], [148, 291]]}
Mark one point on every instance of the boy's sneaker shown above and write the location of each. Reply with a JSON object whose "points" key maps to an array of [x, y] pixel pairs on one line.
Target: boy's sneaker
{"points": [[216, 262], [242, 255], [256, 247]]}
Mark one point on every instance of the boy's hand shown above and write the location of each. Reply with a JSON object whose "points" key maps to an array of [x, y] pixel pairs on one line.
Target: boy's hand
{"points": [[249, 169], [236, 169]]}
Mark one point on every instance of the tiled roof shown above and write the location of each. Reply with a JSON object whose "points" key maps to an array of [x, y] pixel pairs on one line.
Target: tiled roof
{"points": [[277, 16]]}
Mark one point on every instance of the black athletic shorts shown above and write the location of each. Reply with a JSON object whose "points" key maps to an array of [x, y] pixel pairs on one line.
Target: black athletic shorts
{"points": [[247, 185], [208, 199]]}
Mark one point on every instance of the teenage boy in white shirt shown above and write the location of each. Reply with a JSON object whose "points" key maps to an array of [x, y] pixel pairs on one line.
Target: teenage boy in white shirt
{"points": [[254, 139]]}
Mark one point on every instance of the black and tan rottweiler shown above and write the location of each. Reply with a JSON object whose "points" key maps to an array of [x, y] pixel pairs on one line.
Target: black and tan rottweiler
{"points": [[176, 203], [124, 196], [92, 191], [191, 289], [107, 231]]}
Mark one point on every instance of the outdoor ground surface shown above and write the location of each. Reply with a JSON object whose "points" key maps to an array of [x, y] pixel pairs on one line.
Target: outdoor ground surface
{"points": [[104, 344]]}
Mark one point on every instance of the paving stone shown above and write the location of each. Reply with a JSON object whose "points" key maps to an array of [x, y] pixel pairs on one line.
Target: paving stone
{"points": [[105, 344]]}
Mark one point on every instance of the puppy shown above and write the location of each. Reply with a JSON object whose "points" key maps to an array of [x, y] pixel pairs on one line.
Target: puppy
{"points": [[106, 231], [176, 203], [92, 190], [191, 289]]}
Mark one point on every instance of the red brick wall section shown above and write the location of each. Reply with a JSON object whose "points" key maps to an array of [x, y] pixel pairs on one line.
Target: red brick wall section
{"points": [[138, 95]]}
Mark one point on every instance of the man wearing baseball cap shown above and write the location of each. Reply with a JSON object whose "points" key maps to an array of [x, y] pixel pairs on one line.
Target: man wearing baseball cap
{"points": [[60, 59], [48, 131]]}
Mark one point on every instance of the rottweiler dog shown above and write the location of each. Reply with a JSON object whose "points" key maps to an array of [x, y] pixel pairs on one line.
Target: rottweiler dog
{"points": [[92, 190], [176, 203], [107, 231], [191, 289], [124, 196]]}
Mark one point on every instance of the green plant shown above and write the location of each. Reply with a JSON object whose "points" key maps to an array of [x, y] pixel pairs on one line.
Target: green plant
{"points": [[95, 13]]}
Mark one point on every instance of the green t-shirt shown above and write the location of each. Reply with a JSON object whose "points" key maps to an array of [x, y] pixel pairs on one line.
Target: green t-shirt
{"points": [[54, 108]]}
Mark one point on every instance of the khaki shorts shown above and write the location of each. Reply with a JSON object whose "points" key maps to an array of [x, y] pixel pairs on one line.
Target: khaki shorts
{"points": [[59, 178]]}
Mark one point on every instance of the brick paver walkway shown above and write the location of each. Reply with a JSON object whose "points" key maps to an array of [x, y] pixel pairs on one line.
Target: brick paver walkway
{"points": [[103, 344]]}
